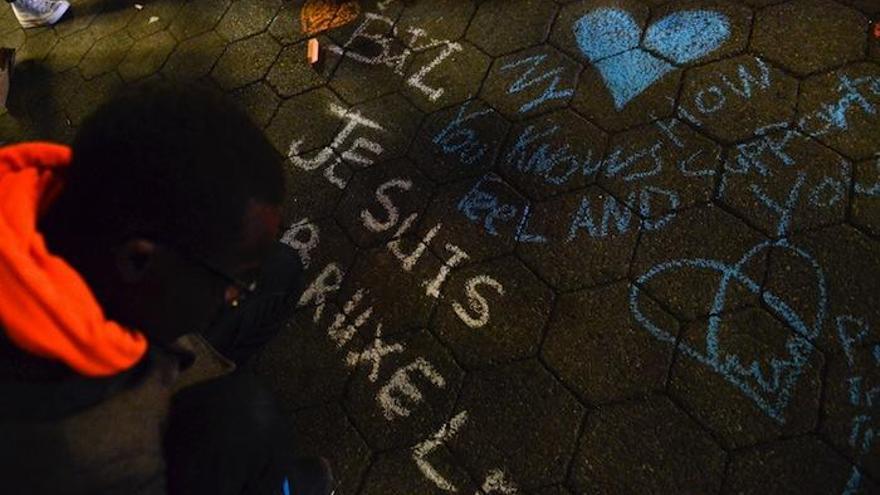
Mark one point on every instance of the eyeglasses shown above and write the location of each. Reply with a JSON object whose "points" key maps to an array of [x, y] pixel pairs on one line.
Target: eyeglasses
{"points": [[237, 290]]}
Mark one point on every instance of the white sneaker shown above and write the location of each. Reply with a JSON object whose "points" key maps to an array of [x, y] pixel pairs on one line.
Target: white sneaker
{"points": [[36, 13]]}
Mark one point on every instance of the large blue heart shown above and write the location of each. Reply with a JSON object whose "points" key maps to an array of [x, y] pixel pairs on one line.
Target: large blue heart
{"points": [[609, 38]]}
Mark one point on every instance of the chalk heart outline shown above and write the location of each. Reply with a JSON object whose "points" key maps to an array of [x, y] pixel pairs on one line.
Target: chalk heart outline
{"points": [[772, 393], [610, 39]]}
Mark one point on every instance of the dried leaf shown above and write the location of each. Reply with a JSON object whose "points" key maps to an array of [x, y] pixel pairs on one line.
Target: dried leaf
{"points": [[320, 15]]}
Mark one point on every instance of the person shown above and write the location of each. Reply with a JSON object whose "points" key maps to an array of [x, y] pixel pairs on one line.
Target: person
{"points": [[38, 13], [139, 273]]}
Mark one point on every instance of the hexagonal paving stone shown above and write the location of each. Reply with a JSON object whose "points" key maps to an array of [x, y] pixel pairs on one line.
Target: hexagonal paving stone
{"points": [[737, 24], [37, 99], [70, 51], [803, 464], [311, 194], [246, 18], [444, 75], [302, 366], [806, 36], [461, 141], [666, 157], [567, 26], [623, 85], [552, 153], [523, 398], [378, 270], [379, 198], [325, 431], [316, 131], [530, 81], [787, 168], [423, 16], [246, 61], [681, 263], [597, 349], [146, 56], [399, 121], [105, 55], [626, 448], [397, 472], [824, 276], [196, 18], [594, 100], [78, 18], [153, 17], [37, 46], [479, 216], [360, 141], [387, 411], [839, 109], [111, 21], [866, 197], [13, 39], [259, 101], [8, 22], [495, 313], [503, 26], [373, 22], [291, 74], [13, 129], [194, 58], [748, 377], [80, 98], [373, 61], [580, 239], [285, 26], [725, 31], [849, 411], [357, 82], [320, 242], [735, 99]]}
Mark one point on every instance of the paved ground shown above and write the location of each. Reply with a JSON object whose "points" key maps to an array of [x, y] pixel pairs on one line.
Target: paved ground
{"points": [[554, 247]]}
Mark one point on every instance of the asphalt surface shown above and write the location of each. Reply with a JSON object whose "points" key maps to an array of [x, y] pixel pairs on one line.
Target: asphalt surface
{"points": [[552, 247]]}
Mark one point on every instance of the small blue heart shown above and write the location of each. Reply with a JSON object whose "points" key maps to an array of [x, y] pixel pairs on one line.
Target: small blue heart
{"points": [[610, 39]]}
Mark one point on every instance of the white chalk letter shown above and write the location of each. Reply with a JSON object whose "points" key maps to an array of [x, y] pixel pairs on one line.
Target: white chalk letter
{"points": [[320, 287], [420, 451], [400, 385], [370, 222], [476, 302]]}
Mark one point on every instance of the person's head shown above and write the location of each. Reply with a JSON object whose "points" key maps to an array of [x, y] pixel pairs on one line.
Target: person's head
{"points": [[172, 197]]}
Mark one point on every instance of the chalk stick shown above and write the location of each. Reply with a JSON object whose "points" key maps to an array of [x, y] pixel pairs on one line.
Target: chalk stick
{"points": [[313, 51]]}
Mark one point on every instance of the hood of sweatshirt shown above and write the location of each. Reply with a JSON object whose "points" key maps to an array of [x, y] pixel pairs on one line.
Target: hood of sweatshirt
{"points": [[46, 307]]}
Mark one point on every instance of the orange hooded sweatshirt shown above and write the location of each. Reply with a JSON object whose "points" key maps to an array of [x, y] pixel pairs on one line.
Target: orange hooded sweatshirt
{"points": [[46, 308]]}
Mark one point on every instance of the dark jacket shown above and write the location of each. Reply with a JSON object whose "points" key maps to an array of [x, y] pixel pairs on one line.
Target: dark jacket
{"points": [[64, 433]]}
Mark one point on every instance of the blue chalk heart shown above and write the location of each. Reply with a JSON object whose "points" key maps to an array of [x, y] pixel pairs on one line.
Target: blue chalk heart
{"points": [[610, 39], [769, 380]]}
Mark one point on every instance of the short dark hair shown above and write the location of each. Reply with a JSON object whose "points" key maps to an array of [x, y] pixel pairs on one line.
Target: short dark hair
{"points": [[173, 163]]}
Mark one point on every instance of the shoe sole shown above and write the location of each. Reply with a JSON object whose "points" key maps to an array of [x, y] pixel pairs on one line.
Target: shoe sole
{"points": [[48, 21]]}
